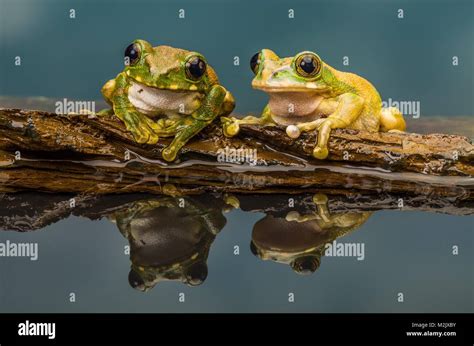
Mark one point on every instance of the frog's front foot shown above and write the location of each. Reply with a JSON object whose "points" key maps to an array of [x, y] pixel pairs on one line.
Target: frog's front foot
{"points": [[293, 216], [320, 198], [143, 129], [232, 202], [230, 126], [321, 152], [143, 134], [170, 190], [169, 153]]}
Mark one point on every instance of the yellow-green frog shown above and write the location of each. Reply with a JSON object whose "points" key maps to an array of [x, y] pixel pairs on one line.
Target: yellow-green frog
{"points": [[166, 92], [307, 94], [300, 240]]}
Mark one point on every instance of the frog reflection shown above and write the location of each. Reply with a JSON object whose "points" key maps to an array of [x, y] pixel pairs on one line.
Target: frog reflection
{"points": [[299, 240], [169, 238]]}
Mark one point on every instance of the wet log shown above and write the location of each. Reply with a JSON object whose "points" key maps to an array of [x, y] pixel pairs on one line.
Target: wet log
{"points": [[43, 151], [29, 211]]}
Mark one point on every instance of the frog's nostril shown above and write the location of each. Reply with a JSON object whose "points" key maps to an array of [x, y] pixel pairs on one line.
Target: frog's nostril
{"points": [[136, 281], [196, 274]]}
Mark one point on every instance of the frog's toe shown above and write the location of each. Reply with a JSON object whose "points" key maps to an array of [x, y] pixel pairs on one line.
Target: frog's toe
{"points": [[225, 120], [232, 201], [152, 138], [293, 216], [169, 154], [145, 135], [170, 190], [140, 138], [231, 130], [162, 123], [153, 125], [320, 153], [320, 198]]}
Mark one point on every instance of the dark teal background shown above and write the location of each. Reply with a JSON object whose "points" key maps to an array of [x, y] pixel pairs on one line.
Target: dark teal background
{"points": [[406, 59]]}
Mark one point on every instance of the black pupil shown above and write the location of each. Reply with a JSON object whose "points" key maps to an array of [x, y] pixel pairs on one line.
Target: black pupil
{"points": [[196, 274], [308, 64], [134, 279], [254, 61], [196, 67], [131, 53]]}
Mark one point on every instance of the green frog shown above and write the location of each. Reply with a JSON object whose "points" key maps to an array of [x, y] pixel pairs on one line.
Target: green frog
{"points": [[170, 238], [166, 92], [307, 94]]}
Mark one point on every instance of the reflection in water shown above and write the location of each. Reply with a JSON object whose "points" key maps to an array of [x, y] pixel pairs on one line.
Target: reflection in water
{"points": [[299, 240], [170, 236], [169, 239]]}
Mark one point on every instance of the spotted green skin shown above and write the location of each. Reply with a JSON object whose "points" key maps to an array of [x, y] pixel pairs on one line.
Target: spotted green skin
{"points": [[163, 68]]}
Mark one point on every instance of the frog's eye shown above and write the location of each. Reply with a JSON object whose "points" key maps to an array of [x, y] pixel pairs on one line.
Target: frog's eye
{"points": [[195, 67], [253, 249], [196, 274], [305, 265], [308, 65], [255, 62], [132, 54], [136, 281]]}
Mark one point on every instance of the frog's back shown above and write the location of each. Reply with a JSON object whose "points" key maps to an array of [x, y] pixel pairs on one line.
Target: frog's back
{"points": [[369, 118]]}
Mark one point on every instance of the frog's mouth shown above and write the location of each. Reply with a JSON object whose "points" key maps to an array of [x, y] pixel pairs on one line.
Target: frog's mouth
{"points": [[154, 101]]}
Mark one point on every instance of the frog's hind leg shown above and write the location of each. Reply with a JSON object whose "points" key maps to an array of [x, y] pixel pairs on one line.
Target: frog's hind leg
{"points": [[391, 120]]}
